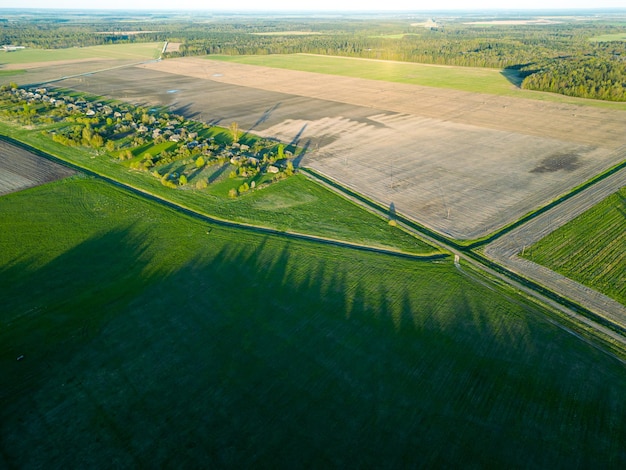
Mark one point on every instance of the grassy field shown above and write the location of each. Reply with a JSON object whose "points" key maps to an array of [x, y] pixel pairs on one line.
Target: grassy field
{"points": [[295, 204], [472, 79], [591, 248], [609, 37], [150, 339], [461, 78], [140, 51]]}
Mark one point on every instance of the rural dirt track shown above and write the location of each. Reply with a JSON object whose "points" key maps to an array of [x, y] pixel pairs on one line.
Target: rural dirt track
{"points": [[20, 169], [506, 248]]}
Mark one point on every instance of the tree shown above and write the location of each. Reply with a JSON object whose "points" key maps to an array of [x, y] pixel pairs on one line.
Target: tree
{"points": [[199, 162], [182, 180], [234, 132], [97, 141]]}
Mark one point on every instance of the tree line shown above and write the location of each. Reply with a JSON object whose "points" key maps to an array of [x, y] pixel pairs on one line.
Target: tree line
{"points": [[558, 58]]}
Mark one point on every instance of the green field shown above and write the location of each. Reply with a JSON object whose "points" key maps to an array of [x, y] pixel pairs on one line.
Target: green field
{"points": [[461, 78], [139, 51], [609, 37], [295, 204], [150, 339], [472, 79], [590, 249]]}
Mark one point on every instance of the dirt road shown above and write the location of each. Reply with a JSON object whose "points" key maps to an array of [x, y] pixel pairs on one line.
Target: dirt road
{"points": [[506, 248]]}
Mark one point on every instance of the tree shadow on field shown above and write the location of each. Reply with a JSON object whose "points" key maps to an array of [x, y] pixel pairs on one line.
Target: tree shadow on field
{"points": [[297, 161], [264, 117], [301, 347], [184, 111], [214, 122], [515, 75], [296, 140], [219, 172], [69, 300]]}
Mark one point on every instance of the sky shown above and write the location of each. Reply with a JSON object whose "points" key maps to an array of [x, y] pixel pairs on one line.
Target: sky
{"points": [[312, 5]]}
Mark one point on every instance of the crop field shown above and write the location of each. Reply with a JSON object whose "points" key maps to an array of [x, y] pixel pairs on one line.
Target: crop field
{"points": [[28, 66], [146, 338], [591, 248], [20, 169], [464, 164], [136, 52]]}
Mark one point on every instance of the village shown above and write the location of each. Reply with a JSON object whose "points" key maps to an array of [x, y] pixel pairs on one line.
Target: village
{"points": [[165, 145]]}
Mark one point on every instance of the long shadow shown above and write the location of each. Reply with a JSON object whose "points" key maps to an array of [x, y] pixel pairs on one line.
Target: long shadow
{"points": [[214, 122], [69, 299], [516, 74], [252, 341], [185, 111], [296, 140], [219, 172], [264, 117], [301, 154]]}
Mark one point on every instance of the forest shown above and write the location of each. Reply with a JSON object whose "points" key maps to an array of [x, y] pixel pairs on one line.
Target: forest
{"points": [[560, 57]]}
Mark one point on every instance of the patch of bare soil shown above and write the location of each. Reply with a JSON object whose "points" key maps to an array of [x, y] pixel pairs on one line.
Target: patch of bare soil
{"points": [[20, 169]]}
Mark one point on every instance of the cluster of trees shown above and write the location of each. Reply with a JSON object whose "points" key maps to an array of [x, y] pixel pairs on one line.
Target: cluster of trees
{"points": [[182, 149], [46, 36], [599, 76]]}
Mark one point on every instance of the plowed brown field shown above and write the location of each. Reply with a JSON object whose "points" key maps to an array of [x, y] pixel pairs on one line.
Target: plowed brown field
{"points": [[20, 169], [461, 163]]}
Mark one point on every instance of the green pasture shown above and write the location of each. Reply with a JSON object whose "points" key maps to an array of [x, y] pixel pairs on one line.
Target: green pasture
{"points": [[150, 339], [295, 204], [462, 78], [138, 51], [471, 79], [609, 37], [590, 249]]}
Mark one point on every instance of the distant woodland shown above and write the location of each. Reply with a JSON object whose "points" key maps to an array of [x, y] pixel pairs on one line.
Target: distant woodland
{"points": [[560, 57]]}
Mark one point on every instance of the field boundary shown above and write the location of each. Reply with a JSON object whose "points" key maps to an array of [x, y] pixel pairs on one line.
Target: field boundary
{"points": [[530, 215], [431, 235], [485, 262], [216, 220]]}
